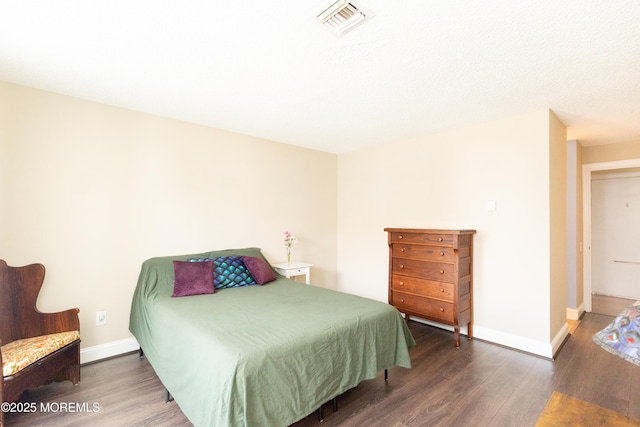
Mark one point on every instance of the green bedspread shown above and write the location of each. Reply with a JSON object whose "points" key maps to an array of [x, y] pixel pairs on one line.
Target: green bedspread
{"points": [[261, 355]]}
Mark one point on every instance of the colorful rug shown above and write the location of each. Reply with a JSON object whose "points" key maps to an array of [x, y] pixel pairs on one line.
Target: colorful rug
{"points": [[622, 336], [563, 410]]}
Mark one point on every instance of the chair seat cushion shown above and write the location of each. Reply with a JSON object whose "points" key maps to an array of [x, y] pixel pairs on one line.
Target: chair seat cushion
{"points": [[19, 354]]}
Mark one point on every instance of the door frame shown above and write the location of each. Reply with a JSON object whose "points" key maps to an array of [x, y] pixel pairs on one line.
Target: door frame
{"points": [[587, 169]]}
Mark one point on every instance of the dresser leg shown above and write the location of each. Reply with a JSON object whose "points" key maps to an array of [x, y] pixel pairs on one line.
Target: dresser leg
{"points": [[456, 336]]}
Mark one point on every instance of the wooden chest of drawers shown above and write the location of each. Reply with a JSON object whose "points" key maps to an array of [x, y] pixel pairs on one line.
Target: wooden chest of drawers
{"points": [[431, 275]]}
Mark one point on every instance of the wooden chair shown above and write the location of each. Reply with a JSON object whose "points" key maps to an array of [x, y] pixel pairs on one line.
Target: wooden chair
{"points": [[37, 348]]}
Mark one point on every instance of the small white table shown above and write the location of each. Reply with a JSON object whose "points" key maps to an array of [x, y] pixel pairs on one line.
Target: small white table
{"points": [[294, 269]]}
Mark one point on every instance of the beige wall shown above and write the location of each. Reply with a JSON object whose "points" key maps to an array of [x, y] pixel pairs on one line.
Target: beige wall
{"points": [[91, 191], [611, 152], [4, 165], [579, 234], [575, 284], [445, 181], [558, 224]]}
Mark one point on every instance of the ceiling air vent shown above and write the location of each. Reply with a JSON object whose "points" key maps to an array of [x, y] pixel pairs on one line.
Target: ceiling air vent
{"points": [[341, 17]]}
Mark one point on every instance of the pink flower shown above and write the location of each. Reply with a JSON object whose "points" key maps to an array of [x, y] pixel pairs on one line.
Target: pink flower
{"points": [[289, 239]]}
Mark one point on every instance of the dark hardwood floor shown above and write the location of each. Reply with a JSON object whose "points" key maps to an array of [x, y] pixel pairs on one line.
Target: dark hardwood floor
{"points": [[480, 384], [608, 305]]}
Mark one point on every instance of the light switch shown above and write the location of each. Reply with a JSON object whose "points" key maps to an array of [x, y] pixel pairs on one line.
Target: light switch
{"points": [[491, 205]]}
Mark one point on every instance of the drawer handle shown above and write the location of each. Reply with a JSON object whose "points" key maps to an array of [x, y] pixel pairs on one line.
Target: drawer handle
{"points": [[401, 299], [441, 290], [441, 271], [441, 253], [400, 236], [439, 239], [401, 265], [401, 283], [441, 309], [402, 250]]}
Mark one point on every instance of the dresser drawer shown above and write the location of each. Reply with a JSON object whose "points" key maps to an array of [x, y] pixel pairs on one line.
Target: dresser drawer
{"points": [[426, 270], [430, 275], [429, 308], [425, 239], [423, 252], [422, 287]]}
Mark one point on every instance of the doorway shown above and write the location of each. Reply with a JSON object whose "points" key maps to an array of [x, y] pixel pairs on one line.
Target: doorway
{"points": [[587, 172]]}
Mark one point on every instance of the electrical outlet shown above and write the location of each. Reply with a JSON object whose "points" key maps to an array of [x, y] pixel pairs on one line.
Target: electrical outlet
{"points": [[101, 318]]}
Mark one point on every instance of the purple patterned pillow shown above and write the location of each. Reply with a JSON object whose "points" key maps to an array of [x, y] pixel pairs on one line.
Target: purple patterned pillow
{"points": [[260, 270], [192, 278]]}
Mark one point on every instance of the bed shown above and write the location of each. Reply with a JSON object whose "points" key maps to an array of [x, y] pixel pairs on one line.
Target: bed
{"points": [[260, 355]]}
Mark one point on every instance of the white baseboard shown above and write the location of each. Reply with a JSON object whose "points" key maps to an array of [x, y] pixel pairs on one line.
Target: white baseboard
{"points": [[103, 351], [575, 313], [463, 329], [507, 340], [559, 339], [115, 348], [528, 345]]}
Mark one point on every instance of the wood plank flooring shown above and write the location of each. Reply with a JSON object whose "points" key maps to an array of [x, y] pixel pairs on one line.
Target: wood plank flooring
{"points": [[608, 305], [480, 384]]}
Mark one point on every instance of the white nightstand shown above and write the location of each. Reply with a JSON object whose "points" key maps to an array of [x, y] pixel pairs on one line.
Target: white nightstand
{"points": [[294, 269]]}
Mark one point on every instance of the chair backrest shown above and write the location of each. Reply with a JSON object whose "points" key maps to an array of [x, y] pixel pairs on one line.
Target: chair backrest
{"points": [[19, 288]]}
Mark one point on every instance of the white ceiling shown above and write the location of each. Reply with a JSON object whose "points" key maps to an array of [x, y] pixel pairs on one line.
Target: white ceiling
{"points": [[269, 69]]}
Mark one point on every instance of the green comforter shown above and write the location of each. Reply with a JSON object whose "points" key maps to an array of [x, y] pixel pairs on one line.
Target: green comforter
{"points": [[261, 355]]}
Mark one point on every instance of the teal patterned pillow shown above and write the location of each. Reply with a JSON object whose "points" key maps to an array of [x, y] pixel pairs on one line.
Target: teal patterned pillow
{"points": [[228, 271]]}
